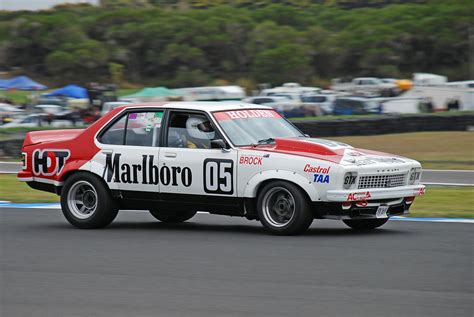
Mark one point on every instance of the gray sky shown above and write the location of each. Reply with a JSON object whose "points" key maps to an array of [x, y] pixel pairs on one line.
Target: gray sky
{"points": [[36, 4]]}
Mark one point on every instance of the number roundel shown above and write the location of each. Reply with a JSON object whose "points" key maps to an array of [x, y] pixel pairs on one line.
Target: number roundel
{"points": [[218, 176]]}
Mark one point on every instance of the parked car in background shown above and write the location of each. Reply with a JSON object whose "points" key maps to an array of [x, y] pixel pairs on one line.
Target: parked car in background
{"points": [[285, 105], [52, 100], [403, 84], [356, 106], [29, 121], [291, 90], [212, 93], [8, 113], [318, 104], [266, 100], [366, 86], [53, 109]]}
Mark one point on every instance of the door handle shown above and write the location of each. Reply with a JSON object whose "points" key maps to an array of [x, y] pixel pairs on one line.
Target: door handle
{"points": [[170, 154], [107, 151]]}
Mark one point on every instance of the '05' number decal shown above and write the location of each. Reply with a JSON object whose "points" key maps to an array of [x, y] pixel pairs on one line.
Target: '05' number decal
{"points": [[219, 176]]}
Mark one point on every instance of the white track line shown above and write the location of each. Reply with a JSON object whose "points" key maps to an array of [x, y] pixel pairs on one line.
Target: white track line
{"points": [[447, 184], [449, 171]]}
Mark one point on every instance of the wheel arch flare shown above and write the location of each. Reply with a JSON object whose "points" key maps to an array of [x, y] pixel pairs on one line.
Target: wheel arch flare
{"points": [[252, 186]]}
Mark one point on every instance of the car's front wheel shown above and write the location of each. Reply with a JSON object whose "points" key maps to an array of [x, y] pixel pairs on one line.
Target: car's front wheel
{"points": [[365, 224], [86, 202], [284, 209], [172, 216]]}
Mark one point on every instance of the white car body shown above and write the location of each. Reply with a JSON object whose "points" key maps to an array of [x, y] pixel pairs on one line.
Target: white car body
{"points": [[339, 181]]}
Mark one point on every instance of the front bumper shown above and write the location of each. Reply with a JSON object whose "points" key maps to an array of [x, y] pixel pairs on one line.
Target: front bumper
{"points": [[353, 195]]}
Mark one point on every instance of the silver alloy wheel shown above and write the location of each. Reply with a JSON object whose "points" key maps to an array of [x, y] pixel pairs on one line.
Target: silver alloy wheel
{"points": [[278, 206], [82, 200]]}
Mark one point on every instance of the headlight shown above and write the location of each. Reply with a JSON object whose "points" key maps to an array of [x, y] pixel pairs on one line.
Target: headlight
{"points": [[349, 180], [415, 175]]}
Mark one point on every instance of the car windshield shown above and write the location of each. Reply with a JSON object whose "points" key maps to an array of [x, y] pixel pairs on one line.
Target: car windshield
{"points": [[248, 127]]}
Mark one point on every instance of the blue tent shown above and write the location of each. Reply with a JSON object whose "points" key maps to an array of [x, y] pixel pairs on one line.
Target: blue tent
{"points": [[21, 83], [72, 91]]}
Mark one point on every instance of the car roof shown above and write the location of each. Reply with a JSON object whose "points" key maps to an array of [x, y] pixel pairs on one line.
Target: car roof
{"points": [[208, 106]]}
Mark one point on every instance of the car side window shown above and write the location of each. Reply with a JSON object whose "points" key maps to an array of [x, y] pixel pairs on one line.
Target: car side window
{"points": [[114, 134], [190, 130], [141, 128]]}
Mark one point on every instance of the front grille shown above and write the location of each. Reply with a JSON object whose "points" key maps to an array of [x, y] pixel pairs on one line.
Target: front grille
{"points": [[382, 181]]}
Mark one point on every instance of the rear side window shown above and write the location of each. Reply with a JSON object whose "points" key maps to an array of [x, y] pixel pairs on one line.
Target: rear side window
{"points": [[136, 129], [115, 134]]}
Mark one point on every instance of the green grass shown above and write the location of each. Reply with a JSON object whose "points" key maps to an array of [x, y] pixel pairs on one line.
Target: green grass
{"points": [[21, 96], [19, 192], [437, 150], [450, 202]]}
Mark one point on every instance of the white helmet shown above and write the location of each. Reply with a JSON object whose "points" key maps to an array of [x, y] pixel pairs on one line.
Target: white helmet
{"points": [[200, 128]]}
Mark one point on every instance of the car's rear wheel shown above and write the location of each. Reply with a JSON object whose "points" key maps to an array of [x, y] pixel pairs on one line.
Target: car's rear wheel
{"points": [[365, 224], [86, 202], [284, 209], [172, 216]]}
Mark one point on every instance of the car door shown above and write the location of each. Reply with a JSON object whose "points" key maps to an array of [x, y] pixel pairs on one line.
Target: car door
{"points": [[130, 151], [191, 170]]}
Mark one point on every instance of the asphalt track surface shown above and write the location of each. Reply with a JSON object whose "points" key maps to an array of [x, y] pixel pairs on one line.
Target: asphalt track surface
{"points": [[431, 177], [222, 266]]}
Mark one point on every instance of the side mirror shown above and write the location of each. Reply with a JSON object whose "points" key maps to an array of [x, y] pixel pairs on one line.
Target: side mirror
{"points": [[218, 144]]}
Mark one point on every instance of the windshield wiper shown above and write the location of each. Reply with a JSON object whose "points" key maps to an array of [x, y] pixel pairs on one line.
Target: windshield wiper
{"points": [[264, 141]]}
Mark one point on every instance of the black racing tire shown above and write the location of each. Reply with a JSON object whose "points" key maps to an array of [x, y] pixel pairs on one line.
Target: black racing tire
{"points": [[86, 201], [284, 209], [365, 224], [172, 216]]}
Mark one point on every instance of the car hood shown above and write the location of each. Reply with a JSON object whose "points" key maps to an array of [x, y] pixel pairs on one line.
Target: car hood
{"points": [[327, 150]]}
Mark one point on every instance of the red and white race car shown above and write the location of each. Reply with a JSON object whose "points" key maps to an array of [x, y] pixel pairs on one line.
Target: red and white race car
{"points": [[237, 159]]}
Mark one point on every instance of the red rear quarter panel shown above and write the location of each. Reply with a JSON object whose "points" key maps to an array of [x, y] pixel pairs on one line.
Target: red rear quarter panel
{"points": [[51, 155]]}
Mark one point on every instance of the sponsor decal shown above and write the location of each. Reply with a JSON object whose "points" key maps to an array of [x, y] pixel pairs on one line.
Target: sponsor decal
{"points": [[321, 178], [117, 172], [49, 162], [218, 176], [360, 196], [245, 114], [320, 173], [316, 169], [252, 159]]}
